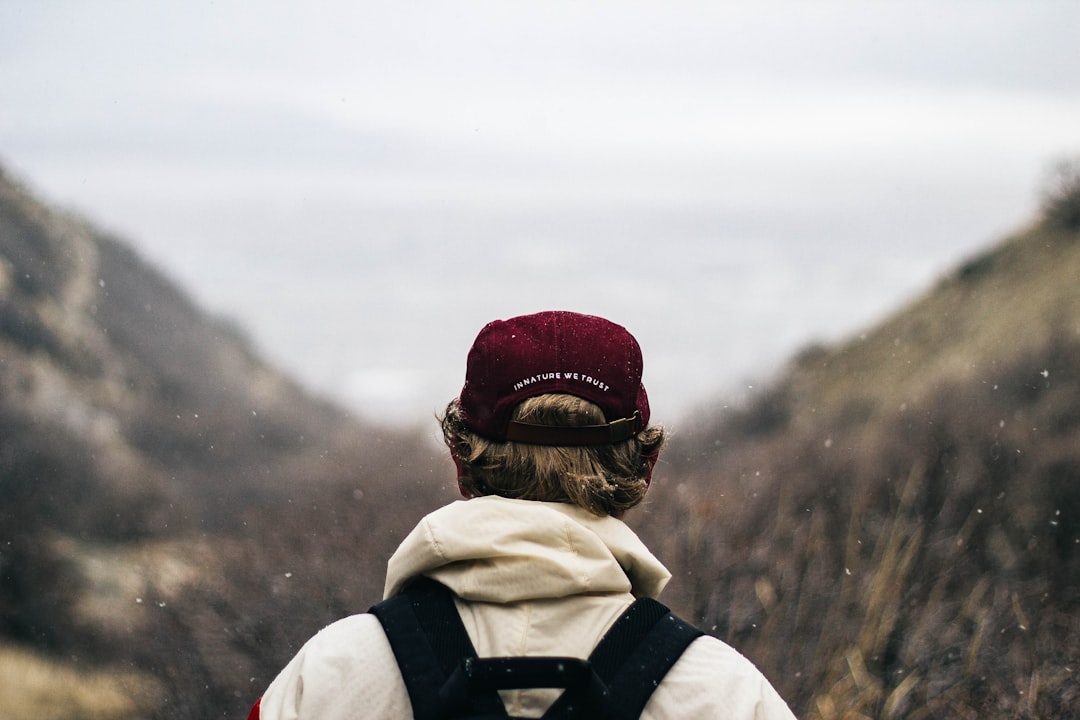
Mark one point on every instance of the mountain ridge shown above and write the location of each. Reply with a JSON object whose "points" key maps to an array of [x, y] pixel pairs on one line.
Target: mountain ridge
{"points": [[965, 324], [892, 527], [155, 474], [110, 356]]}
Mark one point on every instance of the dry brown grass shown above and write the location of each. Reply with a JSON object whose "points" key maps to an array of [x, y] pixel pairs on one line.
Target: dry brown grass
{"points": [[1007, 299], [35, 687], [894, 530]]}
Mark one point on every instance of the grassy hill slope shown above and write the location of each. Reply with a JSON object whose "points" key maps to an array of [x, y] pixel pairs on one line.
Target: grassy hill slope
{"points": [[892, 528], [1016, 299], [158, 484]]}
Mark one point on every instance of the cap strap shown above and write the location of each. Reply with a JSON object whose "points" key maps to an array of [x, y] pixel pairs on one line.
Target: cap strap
{"points": [[560, 435]]}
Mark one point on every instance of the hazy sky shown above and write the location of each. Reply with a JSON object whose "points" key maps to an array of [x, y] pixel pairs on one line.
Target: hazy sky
{"points": [[362, 185]]}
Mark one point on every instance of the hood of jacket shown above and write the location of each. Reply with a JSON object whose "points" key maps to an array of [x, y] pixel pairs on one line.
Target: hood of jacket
{"points": [[494, 549]]}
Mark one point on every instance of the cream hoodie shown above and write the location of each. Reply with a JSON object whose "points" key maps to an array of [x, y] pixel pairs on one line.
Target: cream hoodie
{"points": [[531, 578]]}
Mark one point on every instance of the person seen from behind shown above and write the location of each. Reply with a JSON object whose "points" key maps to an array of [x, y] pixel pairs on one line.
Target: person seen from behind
{"points": [[551, 439]]}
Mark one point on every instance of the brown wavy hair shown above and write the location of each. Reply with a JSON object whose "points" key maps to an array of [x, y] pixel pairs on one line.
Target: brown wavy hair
{"points": [[603, 479]]}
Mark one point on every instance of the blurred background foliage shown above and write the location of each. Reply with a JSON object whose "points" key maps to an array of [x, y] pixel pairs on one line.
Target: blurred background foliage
{"points": [[890, 528]]}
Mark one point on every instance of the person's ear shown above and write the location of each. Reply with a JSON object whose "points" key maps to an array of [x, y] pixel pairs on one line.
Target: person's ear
{"points": [[461, 473], [651, 461]]}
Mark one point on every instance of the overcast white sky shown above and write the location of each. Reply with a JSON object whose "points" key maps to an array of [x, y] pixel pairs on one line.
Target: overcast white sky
{"points": [[363, 185]]}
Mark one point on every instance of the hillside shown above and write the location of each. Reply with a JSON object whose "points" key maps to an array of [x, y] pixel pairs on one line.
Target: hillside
{"points": [[1017, 299], [150, 463], [153, 400], [892, 527]]}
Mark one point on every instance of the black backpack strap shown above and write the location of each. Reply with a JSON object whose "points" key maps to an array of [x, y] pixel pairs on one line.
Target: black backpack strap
{"points": [[429, 642], [584, 696], [431, 646], [634, 656]]}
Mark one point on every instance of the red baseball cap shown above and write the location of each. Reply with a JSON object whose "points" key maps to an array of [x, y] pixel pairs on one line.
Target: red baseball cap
{"points": [[554, 352]]}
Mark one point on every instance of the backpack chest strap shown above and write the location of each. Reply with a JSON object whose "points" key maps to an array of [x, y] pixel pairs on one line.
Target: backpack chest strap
{"points": [[432, 646]]}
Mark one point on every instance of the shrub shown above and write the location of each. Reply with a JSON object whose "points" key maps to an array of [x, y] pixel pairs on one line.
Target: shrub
{"points": [[1061, 197]]}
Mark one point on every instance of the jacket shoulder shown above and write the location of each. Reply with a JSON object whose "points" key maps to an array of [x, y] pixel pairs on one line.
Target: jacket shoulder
{"points": [[344, 671], [712, 679]]}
